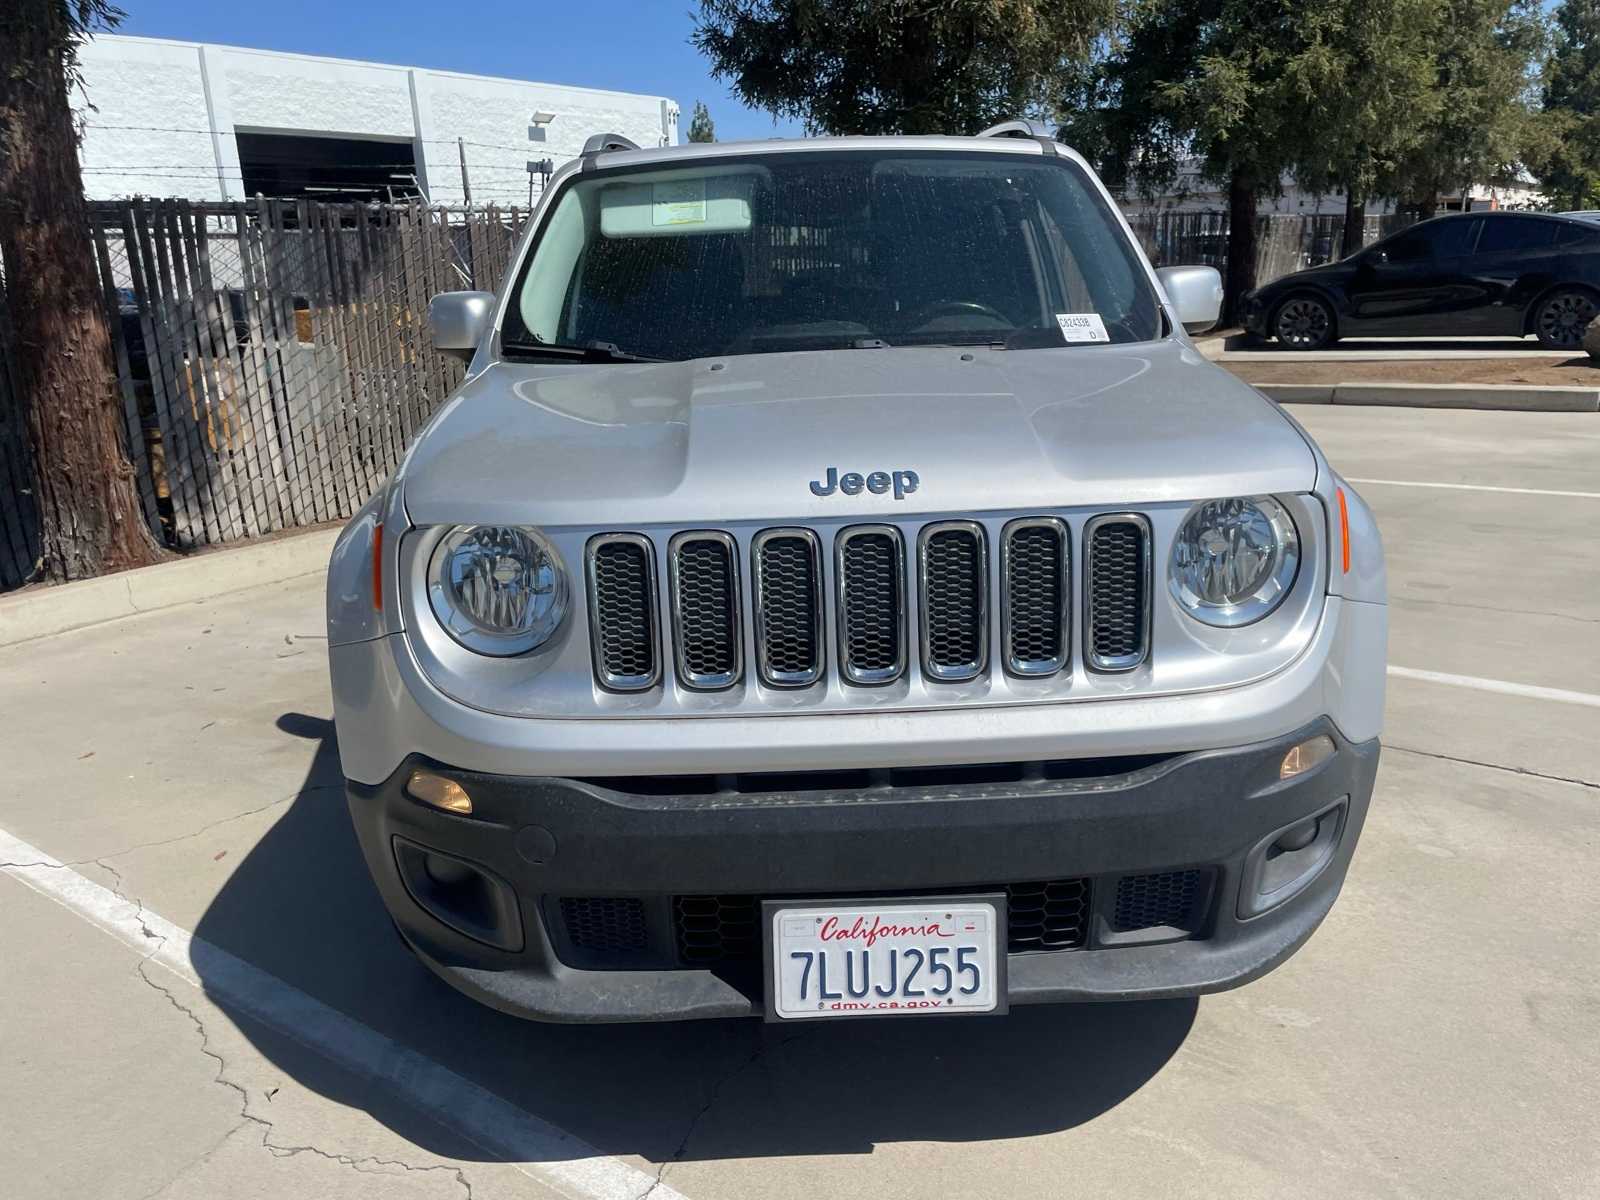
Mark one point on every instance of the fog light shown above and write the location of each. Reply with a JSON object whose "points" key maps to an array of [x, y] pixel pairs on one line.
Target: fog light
{"points": [[439, 792], [1306, 755]]}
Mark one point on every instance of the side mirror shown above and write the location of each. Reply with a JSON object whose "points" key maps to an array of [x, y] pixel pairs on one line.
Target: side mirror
{"points": [[1378, 258], [459, 321], [1196, 292]]}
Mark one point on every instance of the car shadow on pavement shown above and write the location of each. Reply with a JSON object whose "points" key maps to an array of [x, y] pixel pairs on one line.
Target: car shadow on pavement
{"points": [[302, 907]]}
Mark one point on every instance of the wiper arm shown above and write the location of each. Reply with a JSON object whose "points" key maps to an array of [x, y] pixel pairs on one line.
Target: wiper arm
{"points": [[592, 351]]}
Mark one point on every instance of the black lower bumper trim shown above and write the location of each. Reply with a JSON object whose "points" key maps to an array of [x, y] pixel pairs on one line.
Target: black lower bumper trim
{"points": [[553, 838]]}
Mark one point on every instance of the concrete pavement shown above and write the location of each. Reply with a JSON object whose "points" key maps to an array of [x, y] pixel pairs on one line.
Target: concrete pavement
{"points": [[1440, 1036]]}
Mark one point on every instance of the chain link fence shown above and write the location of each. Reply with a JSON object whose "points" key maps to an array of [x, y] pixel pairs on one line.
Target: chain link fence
{"points": [[273, 357]]}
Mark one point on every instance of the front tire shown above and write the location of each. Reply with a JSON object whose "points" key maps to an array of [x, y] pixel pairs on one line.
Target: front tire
{"points": [[1562, 317], [1304, 323]]}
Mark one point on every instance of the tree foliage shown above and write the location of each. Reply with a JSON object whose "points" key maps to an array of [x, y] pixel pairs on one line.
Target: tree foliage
{"points": [[1569, 166], [701, 127], [90, 519], [897, 66], [1481, 126]]}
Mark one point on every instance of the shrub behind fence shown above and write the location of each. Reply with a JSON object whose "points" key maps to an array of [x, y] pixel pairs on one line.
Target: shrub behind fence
{"points": [[273, 357]]}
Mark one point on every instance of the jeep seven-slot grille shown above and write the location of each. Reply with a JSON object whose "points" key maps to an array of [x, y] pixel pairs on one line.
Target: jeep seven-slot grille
{"points": [[1035, 559], [875, 603], [705, 604], [622, 611], [788, 607], [872, 625], [1117, 605], [954, 581]]}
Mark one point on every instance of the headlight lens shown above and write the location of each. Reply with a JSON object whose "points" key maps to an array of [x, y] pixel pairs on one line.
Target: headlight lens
{"points": [[498, 589], [1234, 560]]}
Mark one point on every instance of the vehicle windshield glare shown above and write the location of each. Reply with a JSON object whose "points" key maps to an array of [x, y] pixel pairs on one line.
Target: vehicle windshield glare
{"points": [[826, 250]]}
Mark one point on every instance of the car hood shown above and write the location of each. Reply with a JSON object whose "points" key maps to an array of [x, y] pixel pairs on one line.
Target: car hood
{"points": [[742, 438]]}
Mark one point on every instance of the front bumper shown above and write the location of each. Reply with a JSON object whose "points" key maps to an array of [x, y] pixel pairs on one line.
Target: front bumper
{"points": [[537, 840]]}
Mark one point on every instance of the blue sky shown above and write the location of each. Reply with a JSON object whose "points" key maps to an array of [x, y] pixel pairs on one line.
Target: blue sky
{"points": [[629, 45]]}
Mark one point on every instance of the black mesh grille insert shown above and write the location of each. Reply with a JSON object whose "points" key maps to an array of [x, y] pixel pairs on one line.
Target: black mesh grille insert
{"points": [[788, 617], [1048, 916], [872, 606], [623, 610], [954, 602], [1147, 901], [604, 924], [1036, 628], [707, 613], [1118, 594], [712, 929]]}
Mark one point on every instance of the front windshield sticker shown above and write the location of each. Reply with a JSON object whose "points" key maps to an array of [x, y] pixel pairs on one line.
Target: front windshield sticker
{"points": [[1082, 327], [681, 202]]}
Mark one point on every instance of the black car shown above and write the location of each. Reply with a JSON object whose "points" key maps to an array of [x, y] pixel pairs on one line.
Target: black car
{"points": [[1468, 274]]}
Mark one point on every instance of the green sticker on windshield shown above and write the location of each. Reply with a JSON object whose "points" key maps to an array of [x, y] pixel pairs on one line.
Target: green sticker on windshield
{"points": [[680, 202]]}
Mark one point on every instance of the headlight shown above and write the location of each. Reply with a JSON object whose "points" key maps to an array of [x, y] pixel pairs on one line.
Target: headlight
{"points": [[1234, 560], [498, 589]]}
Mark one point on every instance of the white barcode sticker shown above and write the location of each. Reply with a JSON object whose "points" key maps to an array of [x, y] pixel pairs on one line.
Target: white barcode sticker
{"points": [[1082, 327]]}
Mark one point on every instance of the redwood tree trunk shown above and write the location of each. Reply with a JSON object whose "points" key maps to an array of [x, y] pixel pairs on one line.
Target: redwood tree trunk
{"points": [[1241, 243], [89, 509], [1355, 223]]}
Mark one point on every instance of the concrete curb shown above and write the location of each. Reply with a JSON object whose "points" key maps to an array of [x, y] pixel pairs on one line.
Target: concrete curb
{"points": [[1501, 397], [41, 612]]}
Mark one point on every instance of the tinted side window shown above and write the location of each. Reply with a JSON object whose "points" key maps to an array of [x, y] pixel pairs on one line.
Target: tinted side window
{"points": [[1410, 246], [1453, 238], [1574, 234], [1503, 234]]}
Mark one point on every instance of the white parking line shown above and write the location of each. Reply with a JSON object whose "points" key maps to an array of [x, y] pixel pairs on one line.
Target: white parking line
{"points": [[1559, 695], [536, 1148], [1477, 487]]}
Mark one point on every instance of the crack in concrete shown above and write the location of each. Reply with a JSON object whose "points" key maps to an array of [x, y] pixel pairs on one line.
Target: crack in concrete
{"points": [[246, 1117], [1504, 612], [99, 860], [760, 1052], [1476, 762]]}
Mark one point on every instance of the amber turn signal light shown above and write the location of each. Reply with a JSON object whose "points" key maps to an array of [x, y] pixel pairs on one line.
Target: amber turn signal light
{"points": [[1306, 755], [439, 792]]}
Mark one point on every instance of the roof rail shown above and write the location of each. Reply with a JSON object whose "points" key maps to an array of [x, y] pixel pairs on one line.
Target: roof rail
{"points": [[601, 142], [1033, 131]]}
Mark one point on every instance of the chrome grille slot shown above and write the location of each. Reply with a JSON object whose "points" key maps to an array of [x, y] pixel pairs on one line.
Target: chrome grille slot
{"points": [[787, 578], [1035, 600], [622, 611], [870, 565], [953, 583], [703, 571], [1116, 592]]}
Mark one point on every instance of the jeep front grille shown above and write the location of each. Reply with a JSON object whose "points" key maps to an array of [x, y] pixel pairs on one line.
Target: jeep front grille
{"points": [[1116, 619], [856, 601], [871, 568], [787, 581], [1035, 581], [704, 570], [953, 577], [622, 611]]}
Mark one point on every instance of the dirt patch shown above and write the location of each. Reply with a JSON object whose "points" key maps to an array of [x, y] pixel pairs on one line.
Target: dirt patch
{"points": [[1580, 371]]}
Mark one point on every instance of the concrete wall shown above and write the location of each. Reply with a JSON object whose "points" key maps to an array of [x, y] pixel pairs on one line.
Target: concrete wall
{"points": [[164, 114]]}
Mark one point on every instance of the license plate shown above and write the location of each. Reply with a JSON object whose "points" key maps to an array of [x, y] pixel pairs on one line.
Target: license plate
{"points": [[922, 957]]}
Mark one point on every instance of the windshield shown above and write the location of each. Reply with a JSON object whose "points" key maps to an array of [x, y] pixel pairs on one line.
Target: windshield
{"points": [[825, 250]]}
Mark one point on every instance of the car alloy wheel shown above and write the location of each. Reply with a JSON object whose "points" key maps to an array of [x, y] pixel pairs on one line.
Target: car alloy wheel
{"points": [[1304, 323], [1563, 318]]}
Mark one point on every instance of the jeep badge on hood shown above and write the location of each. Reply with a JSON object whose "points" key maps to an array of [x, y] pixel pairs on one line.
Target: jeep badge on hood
{"points": [[877, 482]]}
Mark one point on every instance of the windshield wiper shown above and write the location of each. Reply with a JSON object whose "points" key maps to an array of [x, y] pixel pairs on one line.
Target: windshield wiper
{"points": [[591, 351]]}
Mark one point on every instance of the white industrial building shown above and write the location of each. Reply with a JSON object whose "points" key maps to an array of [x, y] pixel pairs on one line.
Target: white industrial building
{"points": [[205, 122]]}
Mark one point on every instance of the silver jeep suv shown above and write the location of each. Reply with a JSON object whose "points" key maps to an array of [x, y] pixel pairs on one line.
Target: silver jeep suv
{"points": [[841, 588]]}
